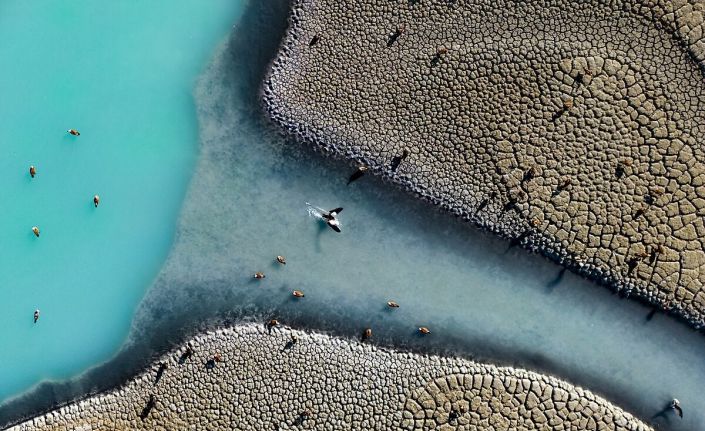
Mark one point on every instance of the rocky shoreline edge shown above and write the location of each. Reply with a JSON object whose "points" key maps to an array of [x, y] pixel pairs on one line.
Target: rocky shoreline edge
{"points": [[251, 377], [516, 227]]}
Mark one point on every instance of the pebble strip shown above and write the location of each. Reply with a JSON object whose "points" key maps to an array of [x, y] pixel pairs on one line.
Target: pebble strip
{"points": [[573, 127], [249, 378]]}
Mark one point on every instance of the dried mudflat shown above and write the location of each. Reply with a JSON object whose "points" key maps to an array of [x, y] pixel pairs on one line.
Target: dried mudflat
{"points": [[573, 127], [250, 378]]}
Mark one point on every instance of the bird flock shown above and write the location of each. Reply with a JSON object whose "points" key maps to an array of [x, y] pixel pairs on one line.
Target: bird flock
{"points": [[330, 218], [35, 229]]}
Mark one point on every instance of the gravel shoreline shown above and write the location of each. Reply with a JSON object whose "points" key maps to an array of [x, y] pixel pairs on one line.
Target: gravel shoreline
{"points": [[249, 377], [571, 137]]}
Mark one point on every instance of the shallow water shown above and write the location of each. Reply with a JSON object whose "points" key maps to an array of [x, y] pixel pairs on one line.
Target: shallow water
{"points": [[247, 204], [123, 76]]}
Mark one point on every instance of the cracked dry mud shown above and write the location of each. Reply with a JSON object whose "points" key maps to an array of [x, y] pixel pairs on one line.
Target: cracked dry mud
{"points": [[573, 127], [263, 381]]}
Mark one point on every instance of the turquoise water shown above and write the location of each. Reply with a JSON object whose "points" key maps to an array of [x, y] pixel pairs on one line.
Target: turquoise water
{"points": [[122, 73], [246, 204]]}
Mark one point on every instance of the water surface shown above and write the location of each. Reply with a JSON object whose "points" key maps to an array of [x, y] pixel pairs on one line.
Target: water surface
{"points": [[122, 73]]}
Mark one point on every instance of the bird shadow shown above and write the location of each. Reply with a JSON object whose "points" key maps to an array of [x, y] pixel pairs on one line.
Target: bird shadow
{"points": [[551, 285], [147, 408], [288, 346], [160, 373], [322, 227], [184, 356], [396, 161], [514, 242], [663, 414]]}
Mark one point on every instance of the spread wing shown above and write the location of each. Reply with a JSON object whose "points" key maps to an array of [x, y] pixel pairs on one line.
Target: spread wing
{"points": [[679, 409], [335, 227], [336, 210]]}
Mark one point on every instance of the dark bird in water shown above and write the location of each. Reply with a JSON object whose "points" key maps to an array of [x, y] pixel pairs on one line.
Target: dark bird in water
{"points": [[259, 275], [392, 304], [366, 334], [36, 315], [358, 173], [424, 330], [96, 200], [74, 132], [298, 294], [32, 171], [281, 259], [35, 229], [314, 40], [676, 405]]}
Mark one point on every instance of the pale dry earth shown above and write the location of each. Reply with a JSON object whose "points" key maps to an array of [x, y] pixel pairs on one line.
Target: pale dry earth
{"points": [[573, 127], [265, 381]]}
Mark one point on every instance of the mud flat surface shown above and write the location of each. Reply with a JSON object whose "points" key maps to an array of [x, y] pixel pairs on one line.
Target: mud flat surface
{"points": [[573, 127], [264, 380]]}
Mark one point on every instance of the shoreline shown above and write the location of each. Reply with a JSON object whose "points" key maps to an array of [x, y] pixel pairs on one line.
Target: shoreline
{"points": [[284, 107], [259, 368]]}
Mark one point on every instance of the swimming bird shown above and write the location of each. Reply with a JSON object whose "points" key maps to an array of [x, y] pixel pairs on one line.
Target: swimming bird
{"points": [[424, 330], [35, 229], [358, 173], [281, 259], [331, 218], [676, 405], [32, 171], [36, 315], [74, 132], [272, 323], [259, 275], [366, 334], [392, 304], [298, 294], [96, 200]]}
